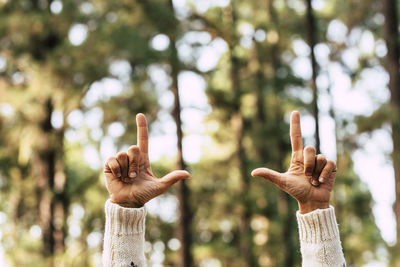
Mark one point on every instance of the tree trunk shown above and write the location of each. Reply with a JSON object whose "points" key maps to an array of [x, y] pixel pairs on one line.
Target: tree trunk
{"points": [[285, 202], [286, 205], [332, 114], [184, 192], [245, 238], [61, 200], [186, 215], [311, 38], [45, 169], [392, 67]]}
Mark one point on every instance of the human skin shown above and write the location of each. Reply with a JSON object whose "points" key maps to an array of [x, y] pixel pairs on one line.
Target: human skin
{"points": [[309, 179], [129, 178]]}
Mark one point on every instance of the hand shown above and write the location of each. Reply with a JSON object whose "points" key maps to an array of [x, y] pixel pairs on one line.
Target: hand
{"points": [[310, 178], [129, 178]]}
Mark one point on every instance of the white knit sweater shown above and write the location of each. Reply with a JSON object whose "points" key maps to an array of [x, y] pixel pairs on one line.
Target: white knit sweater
{"points": [[124, 238], [319, 239]]}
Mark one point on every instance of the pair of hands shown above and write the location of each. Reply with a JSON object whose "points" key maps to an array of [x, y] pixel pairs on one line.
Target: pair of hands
{"points": [[309, 179]]}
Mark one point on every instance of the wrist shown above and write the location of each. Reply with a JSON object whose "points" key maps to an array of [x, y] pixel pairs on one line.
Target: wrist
{"points": [[306, 207], [131, 205]]}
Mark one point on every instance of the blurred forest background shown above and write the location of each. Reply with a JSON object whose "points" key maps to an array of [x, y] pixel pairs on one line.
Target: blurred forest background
{"points": [[217, 81]]}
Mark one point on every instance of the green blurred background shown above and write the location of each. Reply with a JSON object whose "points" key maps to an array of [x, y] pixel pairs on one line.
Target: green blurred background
{"points": [[217, 81]]}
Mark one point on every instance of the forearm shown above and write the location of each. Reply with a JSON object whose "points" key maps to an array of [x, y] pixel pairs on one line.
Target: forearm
{"points": [[320, 239], [124, 236]]}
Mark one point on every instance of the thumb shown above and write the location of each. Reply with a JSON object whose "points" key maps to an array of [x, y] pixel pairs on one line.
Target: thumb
{"points": [[270, 175], [173, 177]]}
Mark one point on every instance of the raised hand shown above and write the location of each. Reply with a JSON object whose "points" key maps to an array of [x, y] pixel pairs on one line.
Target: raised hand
{"points": [[129, 178], [309, 179]]}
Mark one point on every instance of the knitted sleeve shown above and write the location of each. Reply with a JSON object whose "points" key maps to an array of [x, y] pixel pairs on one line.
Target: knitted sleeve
{"points": [[124, 236], [319, 239]]}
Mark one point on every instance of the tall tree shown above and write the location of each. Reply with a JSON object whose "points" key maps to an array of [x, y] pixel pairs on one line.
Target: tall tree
{"points": [[351, 198], [250, 95], [267, 56], [238, 126], [311, 39], [56, 79], [391, 35], [184, 192], [167, 23], [45, 169], [287, 205]]}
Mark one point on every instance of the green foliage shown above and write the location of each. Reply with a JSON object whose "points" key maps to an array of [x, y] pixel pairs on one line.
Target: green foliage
{"points": [[255, 83]]}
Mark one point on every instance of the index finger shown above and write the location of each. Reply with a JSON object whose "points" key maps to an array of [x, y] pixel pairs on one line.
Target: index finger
{"points": [[142, 133], [295, 132]]}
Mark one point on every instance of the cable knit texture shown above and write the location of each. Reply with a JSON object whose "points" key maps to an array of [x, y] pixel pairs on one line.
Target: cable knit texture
{"points": [[124, 236], [319, 239]]}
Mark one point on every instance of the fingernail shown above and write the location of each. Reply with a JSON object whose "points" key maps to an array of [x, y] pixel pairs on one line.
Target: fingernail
{"points": [[132, 174], [118, 175], [314, 183], [321, 179]]}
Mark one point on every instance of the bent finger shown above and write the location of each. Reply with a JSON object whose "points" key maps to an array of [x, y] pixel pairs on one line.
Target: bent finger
{"points": [[123, 161], [327, 171], [113, 165], [309, 160], [320, 162], [133, 155]]}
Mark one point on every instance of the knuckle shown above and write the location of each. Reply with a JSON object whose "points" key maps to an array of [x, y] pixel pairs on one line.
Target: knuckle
{"points": [[115, 167], [133, 166], [110, 159], [309, 161], [121, 155], [296, 135], [143, 132], [331, 163], [309, 149], [133, 148], [107, 168], [133, 160], [110, 162]]}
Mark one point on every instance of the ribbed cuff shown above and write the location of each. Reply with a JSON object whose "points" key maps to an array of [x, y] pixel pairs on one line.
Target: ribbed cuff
{"points": [[318, 225], [124, 221]]}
